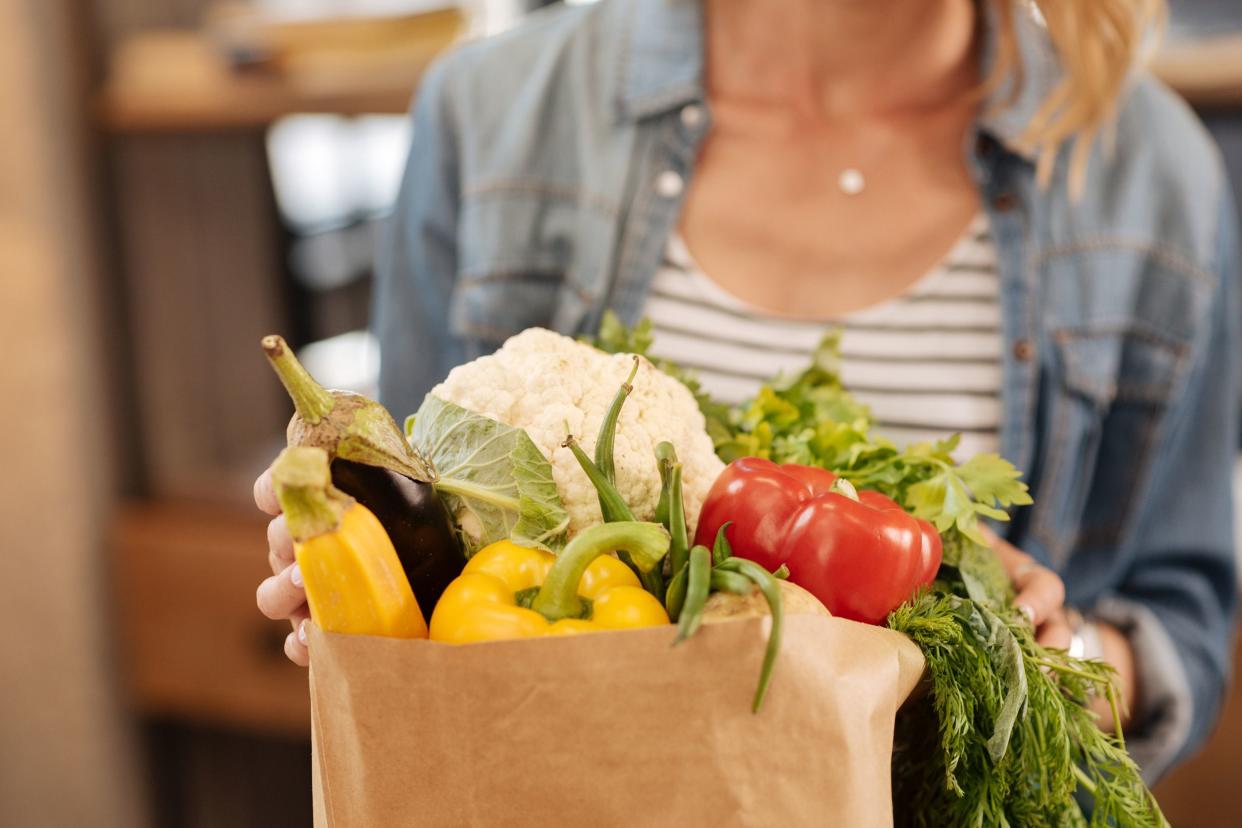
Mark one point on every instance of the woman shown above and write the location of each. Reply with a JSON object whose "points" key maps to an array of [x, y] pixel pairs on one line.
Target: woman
{"points": [[1021, 239]]}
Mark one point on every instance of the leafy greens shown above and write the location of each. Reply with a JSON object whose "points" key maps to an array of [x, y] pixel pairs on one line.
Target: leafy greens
{"points": [[494, 480], [1005, 736]]}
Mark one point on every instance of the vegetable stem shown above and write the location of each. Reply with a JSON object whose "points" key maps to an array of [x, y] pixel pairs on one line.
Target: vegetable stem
{"points": [[647, 544], [1114, 707], [1084, 780], [464, 488], [845, 488], [312, 506], [312, 400]]}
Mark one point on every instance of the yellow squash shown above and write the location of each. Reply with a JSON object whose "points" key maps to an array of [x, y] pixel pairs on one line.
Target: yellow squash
{"points": [[353, 578]]}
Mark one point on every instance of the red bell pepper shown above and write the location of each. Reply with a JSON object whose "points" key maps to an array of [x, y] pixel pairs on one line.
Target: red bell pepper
{"points": [[859, 553]]}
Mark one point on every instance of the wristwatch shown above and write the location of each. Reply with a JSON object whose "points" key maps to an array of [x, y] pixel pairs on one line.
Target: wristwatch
{"points": [[1085, 641]]}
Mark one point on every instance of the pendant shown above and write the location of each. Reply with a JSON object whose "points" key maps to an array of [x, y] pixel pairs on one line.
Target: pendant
{"points": [[851, 182]]}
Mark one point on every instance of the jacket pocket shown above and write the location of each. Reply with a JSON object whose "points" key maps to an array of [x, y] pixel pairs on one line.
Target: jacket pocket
{"points": [[489, 308], [1109, 391], [527, 259]]}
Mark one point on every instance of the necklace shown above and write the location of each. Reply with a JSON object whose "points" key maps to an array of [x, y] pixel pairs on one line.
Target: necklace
{"points": [[851, 181]]}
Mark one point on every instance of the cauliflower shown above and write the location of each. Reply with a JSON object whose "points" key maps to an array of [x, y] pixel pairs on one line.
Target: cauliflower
{"points": [[541, 381]]}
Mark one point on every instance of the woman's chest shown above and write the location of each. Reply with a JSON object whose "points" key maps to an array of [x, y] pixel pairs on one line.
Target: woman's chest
{"points": [[812, 226]]}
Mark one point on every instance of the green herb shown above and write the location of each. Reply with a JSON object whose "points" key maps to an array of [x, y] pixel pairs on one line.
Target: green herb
{"points": [[1005, 736], [494, 480], [811, 419]]}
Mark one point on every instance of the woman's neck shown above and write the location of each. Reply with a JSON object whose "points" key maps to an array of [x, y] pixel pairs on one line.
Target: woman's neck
{"points": [[840, 59]]}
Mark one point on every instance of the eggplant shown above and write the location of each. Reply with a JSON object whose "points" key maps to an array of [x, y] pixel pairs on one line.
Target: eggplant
{"points": [[374, 463], [416, 521]]}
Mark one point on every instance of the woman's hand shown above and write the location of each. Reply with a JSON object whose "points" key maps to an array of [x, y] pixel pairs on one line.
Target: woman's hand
{"points": [[282, 596], [1041, 595], [1040, 592]]}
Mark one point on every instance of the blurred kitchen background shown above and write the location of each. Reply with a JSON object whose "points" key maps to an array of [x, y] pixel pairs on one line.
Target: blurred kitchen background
{"points": [[178, 178]]}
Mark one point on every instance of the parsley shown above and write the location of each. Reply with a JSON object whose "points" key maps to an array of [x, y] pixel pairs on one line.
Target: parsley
{"points": [[1004, 737]]}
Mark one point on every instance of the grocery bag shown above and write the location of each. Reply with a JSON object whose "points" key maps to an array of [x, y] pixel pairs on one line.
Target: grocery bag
{"points": [[615, 728]]}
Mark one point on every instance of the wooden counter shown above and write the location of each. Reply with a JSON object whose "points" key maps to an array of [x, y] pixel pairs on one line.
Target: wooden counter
{"points": [[194, 645], [1208, 73], [174, 80]]}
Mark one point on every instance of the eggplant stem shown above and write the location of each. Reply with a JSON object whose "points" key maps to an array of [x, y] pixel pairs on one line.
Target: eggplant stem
{"points": [[311, 400]]}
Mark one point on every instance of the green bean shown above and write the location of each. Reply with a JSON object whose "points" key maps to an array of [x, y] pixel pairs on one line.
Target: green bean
{"points": [[607, 438], [614, 508], [675, 596], [698, 585], [665, 458], [771, 591], [679, 546], [725, 581], [611, 504], [721, 549]]}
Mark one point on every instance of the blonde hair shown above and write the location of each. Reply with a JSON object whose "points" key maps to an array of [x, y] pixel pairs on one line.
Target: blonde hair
{"points": [[1098, 43]]}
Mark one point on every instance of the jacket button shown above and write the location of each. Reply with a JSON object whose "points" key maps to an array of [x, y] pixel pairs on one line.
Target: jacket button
{"points": [[669, 184], [1023, 350], [692, 115], [1004, 202]]}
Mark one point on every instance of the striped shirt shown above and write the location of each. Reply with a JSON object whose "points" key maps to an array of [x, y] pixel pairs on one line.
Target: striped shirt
{"points": [[928, 362]]}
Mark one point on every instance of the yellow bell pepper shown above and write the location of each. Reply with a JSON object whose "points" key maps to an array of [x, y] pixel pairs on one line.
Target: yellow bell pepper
{"points": [[510, 591], [353, 577]]}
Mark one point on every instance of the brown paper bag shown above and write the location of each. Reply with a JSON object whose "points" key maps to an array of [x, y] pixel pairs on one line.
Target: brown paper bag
{"points": [[609, 728]]}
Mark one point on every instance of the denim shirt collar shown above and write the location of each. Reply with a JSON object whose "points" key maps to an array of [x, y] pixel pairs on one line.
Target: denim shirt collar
{"points": [[661, 67], [661, 57]]}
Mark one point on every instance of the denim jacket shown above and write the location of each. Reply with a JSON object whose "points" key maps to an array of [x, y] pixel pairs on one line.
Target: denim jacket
{"points": [[546, 175]]}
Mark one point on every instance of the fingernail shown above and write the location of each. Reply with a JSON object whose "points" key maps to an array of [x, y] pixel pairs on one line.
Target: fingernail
{"points": [[302, 632], [1028, 611], [295, 575]]}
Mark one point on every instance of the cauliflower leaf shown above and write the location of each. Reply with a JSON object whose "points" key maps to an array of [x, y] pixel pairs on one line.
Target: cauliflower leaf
{"points": [[495, 482]]}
